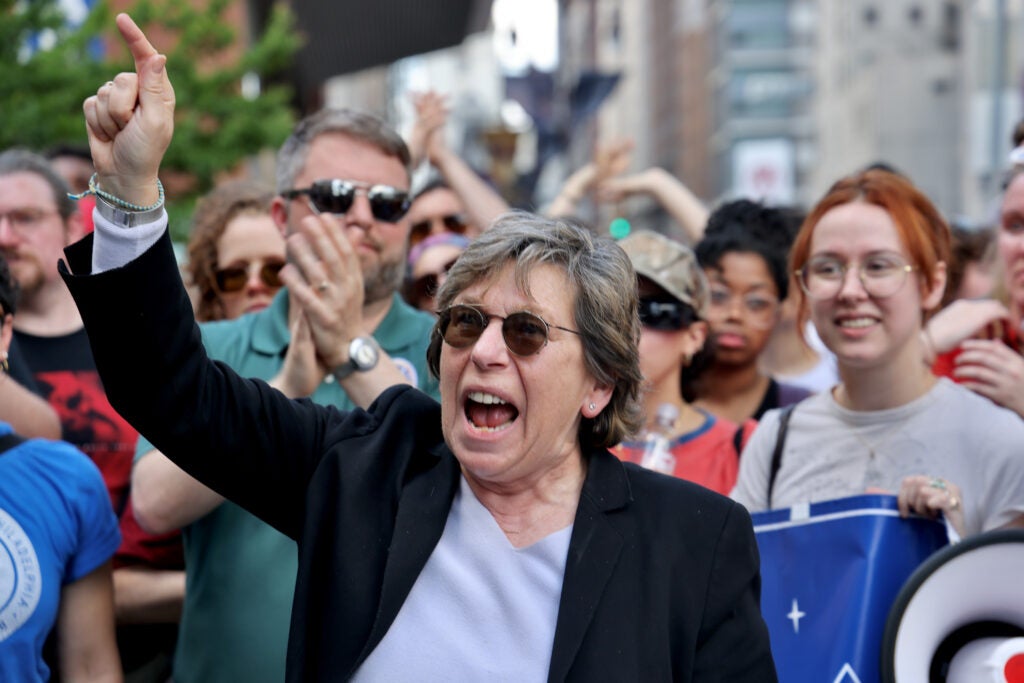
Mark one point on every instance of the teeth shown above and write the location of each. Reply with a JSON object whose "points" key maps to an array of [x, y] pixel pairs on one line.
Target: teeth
{"points": [[486, 399], [857, 322], [490, 429]]}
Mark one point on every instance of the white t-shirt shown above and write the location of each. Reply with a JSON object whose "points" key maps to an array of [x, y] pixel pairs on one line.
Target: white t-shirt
{"points": [[481, 609], [950, 433]]}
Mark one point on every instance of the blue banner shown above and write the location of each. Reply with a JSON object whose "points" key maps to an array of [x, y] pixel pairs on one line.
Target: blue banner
{"points": [[830, 572]]}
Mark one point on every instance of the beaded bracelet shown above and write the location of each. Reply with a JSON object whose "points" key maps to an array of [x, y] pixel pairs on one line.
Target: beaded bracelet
{"points": [[117, 201]]}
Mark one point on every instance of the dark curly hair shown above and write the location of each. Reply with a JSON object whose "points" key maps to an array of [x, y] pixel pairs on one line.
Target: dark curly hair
{"points": [[751, 227]]}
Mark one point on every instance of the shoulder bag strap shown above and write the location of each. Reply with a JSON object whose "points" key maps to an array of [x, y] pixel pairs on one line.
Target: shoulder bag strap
{"points": [[780, 443]]}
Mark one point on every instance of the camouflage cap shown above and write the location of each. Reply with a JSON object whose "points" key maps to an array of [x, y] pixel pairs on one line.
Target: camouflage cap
{"points": [[669, 264]]}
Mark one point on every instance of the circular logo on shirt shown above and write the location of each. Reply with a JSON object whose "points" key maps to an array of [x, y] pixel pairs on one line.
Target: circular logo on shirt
{"points": [[408, 369], [20, 576]]}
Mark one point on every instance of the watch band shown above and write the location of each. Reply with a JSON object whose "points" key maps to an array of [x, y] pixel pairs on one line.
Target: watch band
{"points": [[344, 370]]}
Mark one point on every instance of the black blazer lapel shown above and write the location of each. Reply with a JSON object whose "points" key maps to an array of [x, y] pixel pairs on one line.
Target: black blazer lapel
{"points": [[593, 554], [419, 522]]}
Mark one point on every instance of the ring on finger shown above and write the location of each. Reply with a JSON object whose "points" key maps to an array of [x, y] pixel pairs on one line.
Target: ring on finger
{"points": [[323, 286], [937, 483]]}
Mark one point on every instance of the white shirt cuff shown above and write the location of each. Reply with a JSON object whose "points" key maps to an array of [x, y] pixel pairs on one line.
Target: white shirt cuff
{"points": [[116, 245]]}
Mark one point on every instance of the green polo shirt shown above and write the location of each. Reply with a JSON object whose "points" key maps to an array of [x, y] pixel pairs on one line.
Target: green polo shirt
{"points": [[240, 573]]}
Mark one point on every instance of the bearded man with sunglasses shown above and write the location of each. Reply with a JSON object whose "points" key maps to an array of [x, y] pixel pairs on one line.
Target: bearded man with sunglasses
{"points": [[351, 170]]}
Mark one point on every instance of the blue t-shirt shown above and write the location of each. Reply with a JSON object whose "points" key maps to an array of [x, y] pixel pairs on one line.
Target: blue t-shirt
{"points": [[56, 526]]}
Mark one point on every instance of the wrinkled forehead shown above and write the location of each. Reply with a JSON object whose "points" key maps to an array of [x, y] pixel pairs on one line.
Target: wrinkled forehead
{"points": [[512, 284], [21, 189]]}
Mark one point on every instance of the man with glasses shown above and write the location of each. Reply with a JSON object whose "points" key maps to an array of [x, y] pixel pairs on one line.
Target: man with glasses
{"points": [[352, 170], [37, 220]]}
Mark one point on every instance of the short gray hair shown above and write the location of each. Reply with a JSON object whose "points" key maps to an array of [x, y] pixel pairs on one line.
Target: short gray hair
{"points": [[604, 295], [355, 124], [23, 161]]}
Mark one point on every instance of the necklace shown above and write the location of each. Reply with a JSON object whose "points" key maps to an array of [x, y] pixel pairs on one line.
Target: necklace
{"points": [[873, 447], [888, 434]]}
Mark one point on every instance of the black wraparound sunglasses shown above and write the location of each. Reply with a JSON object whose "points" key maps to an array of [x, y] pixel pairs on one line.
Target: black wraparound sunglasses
{"points": [[336, 196], [524, 333]]}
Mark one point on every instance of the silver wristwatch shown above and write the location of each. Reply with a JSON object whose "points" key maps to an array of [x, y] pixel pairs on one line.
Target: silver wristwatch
{"points": [[363, 354], [125, 218]]}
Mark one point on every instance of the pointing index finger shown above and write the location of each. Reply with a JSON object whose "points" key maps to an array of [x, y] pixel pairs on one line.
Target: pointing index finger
{"points": [[136, 40]]}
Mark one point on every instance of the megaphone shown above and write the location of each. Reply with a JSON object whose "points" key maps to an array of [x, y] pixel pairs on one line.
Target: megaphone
{"points": [[959, 618]]}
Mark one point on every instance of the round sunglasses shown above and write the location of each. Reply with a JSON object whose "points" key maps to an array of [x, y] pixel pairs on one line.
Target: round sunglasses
{"points": [[336, 196], [234, 278], [525, 333]]}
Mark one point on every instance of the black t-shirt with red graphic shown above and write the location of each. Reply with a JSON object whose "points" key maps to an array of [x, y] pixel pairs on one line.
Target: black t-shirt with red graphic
{"points": [[66, 375]]}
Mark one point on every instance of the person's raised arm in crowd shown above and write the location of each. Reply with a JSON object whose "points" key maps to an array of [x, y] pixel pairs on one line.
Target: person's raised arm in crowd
{"points": [[427, 140], [609, 161], [668, 191]]}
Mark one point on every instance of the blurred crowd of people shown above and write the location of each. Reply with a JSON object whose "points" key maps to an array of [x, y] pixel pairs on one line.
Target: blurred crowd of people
{"points": [[861, 345]]}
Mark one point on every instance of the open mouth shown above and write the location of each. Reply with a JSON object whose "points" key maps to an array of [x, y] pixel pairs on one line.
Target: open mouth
{"points": [[856, 323], [488, 412]]}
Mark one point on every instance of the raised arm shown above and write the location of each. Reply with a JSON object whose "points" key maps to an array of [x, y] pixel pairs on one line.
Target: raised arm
{"points": [[609, 161], [482, 203], [238, 436], [673, 196]]}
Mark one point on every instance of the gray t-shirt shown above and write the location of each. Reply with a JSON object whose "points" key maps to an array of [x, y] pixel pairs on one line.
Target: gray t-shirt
{"points": [[832, 452], [481, 609]]}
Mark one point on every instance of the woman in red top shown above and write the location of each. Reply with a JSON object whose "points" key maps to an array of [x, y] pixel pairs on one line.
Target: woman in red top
{"points": [[673, 313]]}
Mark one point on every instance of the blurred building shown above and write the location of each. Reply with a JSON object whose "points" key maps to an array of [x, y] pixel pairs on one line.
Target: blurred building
{"points": [[778, 98]]}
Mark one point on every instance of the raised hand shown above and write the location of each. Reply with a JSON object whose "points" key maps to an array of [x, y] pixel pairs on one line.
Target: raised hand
{"points": [[428, 130], [130, 121]]}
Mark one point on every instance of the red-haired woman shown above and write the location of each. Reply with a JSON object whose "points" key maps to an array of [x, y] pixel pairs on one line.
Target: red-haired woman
{"points": [[871, 261]]}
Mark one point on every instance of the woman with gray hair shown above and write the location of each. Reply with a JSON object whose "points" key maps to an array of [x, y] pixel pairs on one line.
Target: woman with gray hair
{"points": [[490, 536]]}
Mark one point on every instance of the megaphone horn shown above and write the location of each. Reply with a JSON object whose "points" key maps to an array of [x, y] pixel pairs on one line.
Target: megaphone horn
{"points": [[959, 618]]}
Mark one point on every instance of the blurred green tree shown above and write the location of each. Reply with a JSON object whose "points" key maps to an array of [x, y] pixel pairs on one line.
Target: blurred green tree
{"points": [[47, 69]]}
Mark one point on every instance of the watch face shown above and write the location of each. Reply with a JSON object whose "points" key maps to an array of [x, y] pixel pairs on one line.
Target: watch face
{"points": [[364, 355]]}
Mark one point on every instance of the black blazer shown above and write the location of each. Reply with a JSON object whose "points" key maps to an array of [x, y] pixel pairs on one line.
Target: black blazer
{"points": [[661, 580]]}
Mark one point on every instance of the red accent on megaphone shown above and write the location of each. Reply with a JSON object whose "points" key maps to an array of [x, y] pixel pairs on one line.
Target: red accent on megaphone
{"points": [[1013, 672]]}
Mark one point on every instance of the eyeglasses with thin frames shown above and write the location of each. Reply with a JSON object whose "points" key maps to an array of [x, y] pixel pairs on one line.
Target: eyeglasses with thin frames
{"points": [[757, 308], [881, 275], [24, 221], [524, 333], [387, 203]]}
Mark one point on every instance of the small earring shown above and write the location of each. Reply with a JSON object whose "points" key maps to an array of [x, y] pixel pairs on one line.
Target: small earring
{"points": [[593, 407], [3, 363]]}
